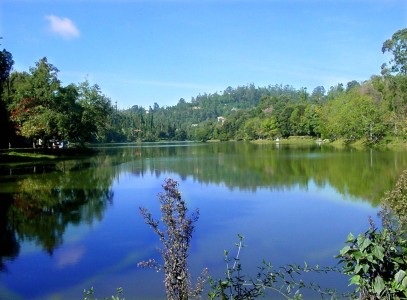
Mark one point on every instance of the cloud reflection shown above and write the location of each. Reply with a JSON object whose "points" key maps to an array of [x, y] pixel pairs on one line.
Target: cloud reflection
{"points": [[69, 257]]}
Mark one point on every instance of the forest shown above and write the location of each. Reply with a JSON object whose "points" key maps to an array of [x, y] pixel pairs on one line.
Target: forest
{"points": [[36, 110]]}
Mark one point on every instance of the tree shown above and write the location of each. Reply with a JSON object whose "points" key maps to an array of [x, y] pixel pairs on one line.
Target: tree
{"points": [[311, 122], [284, 120], [44, 82], [34, 113], [69, 113], [352, 84], [353, 115], [97, 109], [18, 87], [296, 120], [253, 129], [269, 127], [318, 94], [6, 64], [397, 45]]}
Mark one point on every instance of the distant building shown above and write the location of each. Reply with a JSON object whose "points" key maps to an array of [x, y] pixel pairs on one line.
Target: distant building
{"points": [[221, 119]]}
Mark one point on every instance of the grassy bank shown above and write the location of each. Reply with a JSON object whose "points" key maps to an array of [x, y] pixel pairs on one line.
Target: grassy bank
{"points": [[389, 143], [36, 155], [292, 140]]}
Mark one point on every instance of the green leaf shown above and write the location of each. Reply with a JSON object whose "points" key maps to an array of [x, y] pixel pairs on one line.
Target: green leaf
{"points": [[355, 280], [404, 282], [378, 285], [357, 255], [399, 276], [344, 250], [357, 268], [365, 268], [378, 252], [360, 239], [398, 260], [350, 238], [371, 259], [224, 283], [366, 243]]}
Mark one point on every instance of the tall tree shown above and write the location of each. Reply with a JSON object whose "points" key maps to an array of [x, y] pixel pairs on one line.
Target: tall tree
{"points": [[44, 82], [97, 110], [353, 115], [35, 113], [396, 80], [6, 64], [397, 45]]}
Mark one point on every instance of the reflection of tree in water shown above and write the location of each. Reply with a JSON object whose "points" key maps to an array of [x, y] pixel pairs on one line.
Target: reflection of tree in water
{"points": [[356, 174], [43, 205], [396, 199], [10, 248]]}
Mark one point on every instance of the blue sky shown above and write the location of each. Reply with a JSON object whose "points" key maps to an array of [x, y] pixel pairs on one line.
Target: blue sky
{"points": [[141, 52]]}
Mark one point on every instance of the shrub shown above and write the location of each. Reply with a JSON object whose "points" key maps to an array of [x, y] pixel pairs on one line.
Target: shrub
{"points": [[377, 263], [175, 237]]}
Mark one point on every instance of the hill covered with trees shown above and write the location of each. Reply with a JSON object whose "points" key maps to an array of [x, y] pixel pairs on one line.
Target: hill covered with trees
{"points": [[36, 109]]}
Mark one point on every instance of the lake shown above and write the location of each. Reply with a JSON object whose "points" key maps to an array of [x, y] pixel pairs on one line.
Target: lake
{"points": [[75, 224]]}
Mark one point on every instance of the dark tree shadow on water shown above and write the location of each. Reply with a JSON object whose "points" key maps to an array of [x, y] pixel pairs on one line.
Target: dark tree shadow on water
{"points": [[10, 248]]}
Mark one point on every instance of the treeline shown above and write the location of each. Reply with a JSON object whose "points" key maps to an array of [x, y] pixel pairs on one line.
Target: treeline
{"points": [[36, 109]]}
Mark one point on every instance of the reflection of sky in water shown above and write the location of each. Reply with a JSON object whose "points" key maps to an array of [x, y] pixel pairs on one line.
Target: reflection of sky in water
{"points": [[69, 256], [281, 226]]}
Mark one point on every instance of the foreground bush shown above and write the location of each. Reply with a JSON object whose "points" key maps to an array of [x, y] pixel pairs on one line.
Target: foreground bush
{"points": [[175, 236], [377, 263]]}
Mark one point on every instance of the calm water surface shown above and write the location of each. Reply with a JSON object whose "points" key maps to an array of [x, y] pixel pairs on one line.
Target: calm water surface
{"points": [[72, 225]]}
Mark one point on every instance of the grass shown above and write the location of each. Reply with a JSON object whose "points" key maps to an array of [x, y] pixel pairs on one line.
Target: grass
{"points": [[389, 143], [393, 143], [36, 155], [14, 157], [292, 140]]}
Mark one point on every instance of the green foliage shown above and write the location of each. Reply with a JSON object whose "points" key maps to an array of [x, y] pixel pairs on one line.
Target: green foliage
{"points": [[397, 45], [6, 64], [43, 109], [96, 111], [352, 115], [42, 206], [88, 295], [396, 199], [376, 261]]}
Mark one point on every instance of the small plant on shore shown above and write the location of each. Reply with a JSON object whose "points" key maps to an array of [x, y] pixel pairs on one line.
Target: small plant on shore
{"points": [[283, 282], [376, 261], [175, 235], [88, 295]]}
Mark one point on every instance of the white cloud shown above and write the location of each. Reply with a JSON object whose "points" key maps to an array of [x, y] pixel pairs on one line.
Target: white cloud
{"points": [[63, 27]]}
